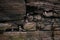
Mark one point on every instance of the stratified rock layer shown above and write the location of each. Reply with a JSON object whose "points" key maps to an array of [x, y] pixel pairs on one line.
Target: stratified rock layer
{"points": [[29, 19]]}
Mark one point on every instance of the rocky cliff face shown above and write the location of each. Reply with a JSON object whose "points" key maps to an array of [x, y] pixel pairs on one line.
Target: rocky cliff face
{"points": [[30, 19], [12, 9]]}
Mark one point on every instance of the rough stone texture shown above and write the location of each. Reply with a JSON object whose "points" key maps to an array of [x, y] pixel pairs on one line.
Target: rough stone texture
{"points": [[30, 26], [29, 19], [12, 9]]}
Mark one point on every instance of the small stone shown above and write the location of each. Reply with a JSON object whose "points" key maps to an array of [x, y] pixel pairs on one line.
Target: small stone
{"points": [[48, 14], [37, 17], [30, 26]]}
